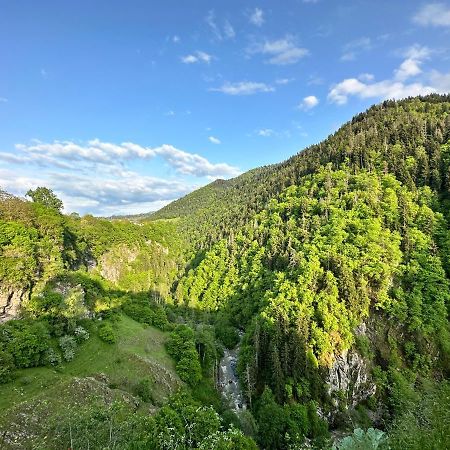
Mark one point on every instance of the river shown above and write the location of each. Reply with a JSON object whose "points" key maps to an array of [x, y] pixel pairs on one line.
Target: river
{"points": [[228, 380]]}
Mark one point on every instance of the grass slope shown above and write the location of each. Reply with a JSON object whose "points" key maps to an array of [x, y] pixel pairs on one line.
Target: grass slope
{"points": [[99, 371]]}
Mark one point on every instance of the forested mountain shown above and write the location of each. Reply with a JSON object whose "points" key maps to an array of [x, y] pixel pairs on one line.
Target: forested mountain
{"points": [[330, 270], [399, 137]]}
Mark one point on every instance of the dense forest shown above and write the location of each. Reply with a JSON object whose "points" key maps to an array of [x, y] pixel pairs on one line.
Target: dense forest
{"points": [[329, 273]]}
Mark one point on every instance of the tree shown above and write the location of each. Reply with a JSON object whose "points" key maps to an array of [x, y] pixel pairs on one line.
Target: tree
{"points": [[46, 197]]}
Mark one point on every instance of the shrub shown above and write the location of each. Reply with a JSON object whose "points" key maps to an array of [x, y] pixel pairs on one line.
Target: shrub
{"points": [[106, 333], [228, 335], [27, 343], [143, 389], [81, 334], [372, 439], [6, 366], [53, 357], [160, 318], [68, 346], [188, 368]]}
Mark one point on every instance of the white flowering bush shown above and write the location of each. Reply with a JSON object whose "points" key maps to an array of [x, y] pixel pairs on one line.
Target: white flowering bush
{"points": [[81, 334], [68, 345]]}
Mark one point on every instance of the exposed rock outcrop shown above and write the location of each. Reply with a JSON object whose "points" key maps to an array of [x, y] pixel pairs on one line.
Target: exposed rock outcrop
{"points": [[349, 376], [10, 302]]}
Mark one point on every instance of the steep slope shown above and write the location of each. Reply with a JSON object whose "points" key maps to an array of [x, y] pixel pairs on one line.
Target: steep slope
{"points": [[399, 137], [336, 265]]}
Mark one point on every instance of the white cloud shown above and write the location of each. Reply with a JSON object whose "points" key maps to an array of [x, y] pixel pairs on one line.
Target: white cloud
{"points": [[266, 132], [68, 168], [220, 32], [280, 52], [385, 89], [228, 30], [129, 193], [175, 39], [283, 81], [214, 140], [198, 56], [353, 48], [111, 157], [243, 88], [366, 77], [257, 17], [398, 86], [3, 100], [309, 102], [441, 81], [433, 14], [410, 67]]}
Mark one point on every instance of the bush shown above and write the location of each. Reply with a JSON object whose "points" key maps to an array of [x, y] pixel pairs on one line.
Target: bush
{"points": [[189, 369], [106, 333], [160, 318], [81, 334], [27, 342], [6, 366], [143, 389], [68, 346], [228, 335], [53, 357], [372, 439]]}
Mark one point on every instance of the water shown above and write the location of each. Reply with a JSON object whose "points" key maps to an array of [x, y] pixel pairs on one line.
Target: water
{"points": [[228, 381]]}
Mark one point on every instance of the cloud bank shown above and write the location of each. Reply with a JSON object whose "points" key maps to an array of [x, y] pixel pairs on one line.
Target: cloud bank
{"points": [[95, 176]]}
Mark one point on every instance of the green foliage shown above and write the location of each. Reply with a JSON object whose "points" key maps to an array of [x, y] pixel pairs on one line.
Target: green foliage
{"points": [[68, 345], [423, 423], [363, 440], [287, 427], [26, 341], [106, 333], [181, 346], [143, 310], [298, 254], [143, 389], [46, 197], [7, 366]]}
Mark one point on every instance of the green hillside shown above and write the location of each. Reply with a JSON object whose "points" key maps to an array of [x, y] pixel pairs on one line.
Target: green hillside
{"points": [[331, 271]]}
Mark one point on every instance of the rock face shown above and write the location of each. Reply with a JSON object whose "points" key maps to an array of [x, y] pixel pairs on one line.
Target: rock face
{"points": [[115, 261], [10, 301], [349, 376]]}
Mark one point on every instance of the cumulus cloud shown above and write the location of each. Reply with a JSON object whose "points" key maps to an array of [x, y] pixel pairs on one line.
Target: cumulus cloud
{"points": [[196, 57], [257, 17], [309, 102], [109, 154], [243, 88], [280, 52], [433, 14], [411, 66], [214, 140], [68, 168], [131, 193], [399, 86]]}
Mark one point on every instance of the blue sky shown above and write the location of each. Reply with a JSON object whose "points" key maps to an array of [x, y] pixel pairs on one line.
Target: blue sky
{"points": [[121, 107]]}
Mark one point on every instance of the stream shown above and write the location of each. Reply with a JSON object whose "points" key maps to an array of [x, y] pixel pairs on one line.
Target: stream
{"points": [[228, 381]]}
